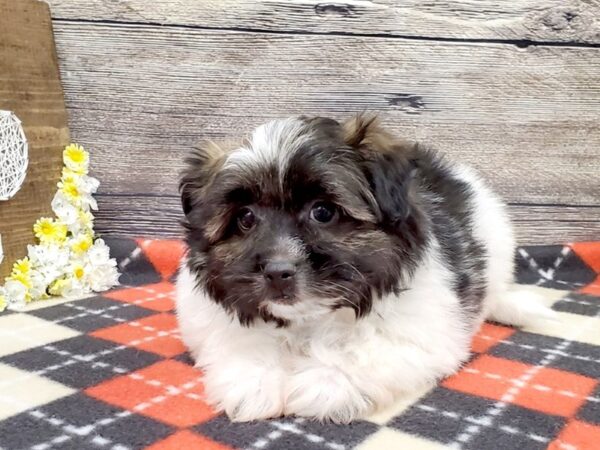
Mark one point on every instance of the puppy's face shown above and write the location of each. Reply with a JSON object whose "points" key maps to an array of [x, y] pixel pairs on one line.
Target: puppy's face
{"points": [[307, 216]]}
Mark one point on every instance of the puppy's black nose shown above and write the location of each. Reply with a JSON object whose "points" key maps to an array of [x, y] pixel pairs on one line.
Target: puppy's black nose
{"points": [[280, 275]]}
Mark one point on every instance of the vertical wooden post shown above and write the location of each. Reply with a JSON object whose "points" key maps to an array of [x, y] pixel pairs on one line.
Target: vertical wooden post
{"points": [[30, 87]]}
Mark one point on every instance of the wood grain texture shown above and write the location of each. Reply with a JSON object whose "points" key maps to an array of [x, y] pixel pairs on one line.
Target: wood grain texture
{"points": [[518, 20], [160, 215], [30, 86], [140, 97]]}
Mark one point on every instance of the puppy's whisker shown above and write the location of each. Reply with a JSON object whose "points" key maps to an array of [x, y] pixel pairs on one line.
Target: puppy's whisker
{"points": [[352, 267], [344, 294], [342, 289]]}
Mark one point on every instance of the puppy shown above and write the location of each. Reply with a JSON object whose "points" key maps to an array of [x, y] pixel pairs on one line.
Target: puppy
{"points": [[332, 267]]}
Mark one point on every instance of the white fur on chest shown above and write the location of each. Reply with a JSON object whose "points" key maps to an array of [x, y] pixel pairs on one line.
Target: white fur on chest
{"points": [[331, 366]]}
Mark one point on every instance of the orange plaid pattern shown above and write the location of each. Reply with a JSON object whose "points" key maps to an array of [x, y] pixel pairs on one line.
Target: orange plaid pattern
{"points": [[168, 391], [125, 379]]}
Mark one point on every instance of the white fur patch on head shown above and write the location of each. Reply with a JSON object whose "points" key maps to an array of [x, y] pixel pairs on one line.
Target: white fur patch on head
{"points": [[289, 247], [272, 143]]}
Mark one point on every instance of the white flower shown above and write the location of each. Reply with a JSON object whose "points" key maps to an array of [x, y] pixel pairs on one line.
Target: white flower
{"points": [[64, 210], [99, 253], [48, 255], [86, 184], [74, 283], [75, 196], [76, 219], [101, 270], [103, 277], [49, 263], [86, 221], [68, 262], [78, 289], [68, 288], [87, 202], [39, 284], [15, 293]]}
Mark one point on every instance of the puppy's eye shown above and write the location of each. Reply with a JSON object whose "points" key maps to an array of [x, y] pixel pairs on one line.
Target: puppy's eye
{"points": [[246, 219], [323, 212]]}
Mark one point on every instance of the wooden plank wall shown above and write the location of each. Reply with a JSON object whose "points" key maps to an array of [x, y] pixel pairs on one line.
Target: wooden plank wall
{"points": [[30, 87], [512, 88]]}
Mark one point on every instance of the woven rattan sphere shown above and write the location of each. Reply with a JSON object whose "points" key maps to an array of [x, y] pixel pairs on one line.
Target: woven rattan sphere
{"points": [[13, 155]]}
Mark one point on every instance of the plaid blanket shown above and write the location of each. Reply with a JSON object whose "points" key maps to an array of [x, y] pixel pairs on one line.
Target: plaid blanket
{"points": [[111, 372]]}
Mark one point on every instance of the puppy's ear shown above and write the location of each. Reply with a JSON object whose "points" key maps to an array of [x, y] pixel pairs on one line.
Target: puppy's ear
{"points": [[390, 166], [365, 132], [201, 167], [325, 126]]}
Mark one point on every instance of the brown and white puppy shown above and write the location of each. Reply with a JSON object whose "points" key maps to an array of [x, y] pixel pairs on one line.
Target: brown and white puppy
{"points": [[332, 267]]}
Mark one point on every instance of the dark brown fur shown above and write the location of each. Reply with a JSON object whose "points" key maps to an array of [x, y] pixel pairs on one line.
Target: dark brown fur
{"points": [[372, 247]]}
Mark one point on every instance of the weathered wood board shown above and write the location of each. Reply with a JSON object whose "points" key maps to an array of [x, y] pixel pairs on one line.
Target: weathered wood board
{"points": [[141, 94], [152, 215], [30, 86], [516, 20]]}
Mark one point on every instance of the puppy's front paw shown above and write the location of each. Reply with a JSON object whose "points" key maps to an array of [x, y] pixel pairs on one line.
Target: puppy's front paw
{"points": [[256, 394], [326, 394]]}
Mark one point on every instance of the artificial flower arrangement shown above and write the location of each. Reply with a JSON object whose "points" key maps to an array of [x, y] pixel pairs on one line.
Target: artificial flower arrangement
{"points": [[69, 260]]}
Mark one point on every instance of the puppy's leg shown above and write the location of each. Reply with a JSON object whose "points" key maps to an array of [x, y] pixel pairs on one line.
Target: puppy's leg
{"points": [[348, 386], [520, 307], [242, 367], [325, 393], [245, 381]]}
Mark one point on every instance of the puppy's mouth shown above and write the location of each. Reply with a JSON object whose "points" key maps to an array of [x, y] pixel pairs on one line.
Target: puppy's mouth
{"points": [[282, 298]]}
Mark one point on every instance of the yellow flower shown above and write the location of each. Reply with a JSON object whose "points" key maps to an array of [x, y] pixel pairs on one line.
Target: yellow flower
{"points": [[57, 287], [70, 190], [82, 244], [76, 158], [86, 219], [21, 267], [70, 176], [75, 153], [3, 303], [78, 272], [21, 278], [50, 231]]}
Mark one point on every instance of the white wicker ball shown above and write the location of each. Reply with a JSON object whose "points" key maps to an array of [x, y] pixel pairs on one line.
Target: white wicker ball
{"points": [[13, 155]]}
